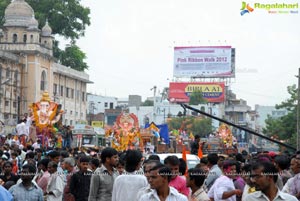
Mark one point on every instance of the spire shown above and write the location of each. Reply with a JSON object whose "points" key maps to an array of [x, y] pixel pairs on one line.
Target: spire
{"points": [[46, 30]]}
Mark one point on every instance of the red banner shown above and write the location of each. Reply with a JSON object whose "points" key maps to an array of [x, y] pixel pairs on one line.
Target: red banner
{"points": [[213, 92]]}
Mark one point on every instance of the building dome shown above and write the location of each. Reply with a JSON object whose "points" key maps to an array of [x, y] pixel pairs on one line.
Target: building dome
{"points": [[46, 30], [33, 23], [18, 13]]}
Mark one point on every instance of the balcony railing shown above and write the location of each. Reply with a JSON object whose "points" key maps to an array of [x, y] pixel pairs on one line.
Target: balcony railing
{"points": [[21, 47]]}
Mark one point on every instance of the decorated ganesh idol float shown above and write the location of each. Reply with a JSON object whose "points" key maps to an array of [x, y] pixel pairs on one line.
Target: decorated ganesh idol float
{"points": [[125, 134], [227, 138], [47, 117]]}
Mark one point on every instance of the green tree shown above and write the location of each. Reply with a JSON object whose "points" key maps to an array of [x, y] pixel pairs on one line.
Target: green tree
{"points": [[196, 98], [67, 18], [200, 126], [285, 127], [147, 103], [3, 5], [73, 56]]}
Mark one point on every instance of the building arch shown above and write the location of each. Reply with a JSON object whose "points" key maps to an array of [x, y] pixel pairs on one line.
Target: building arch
{"points": [[15, 38], [25, 38], [43, 81]]}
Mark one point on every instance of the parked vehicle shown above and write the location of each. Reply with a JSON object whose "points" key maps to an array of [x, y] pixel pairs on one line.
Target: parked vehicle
{"points": [[192, 160]]}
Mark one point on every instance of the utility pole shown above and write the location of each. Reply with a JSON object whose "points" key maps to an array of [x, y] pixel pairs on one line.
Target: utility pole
{"points": [[298, 112], [154, 103]]}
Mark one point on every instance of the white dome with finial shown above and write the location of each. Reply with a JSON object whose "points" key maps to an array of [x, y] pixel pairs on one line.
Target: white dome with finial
{"points": [[46, 30], [18, 13]]}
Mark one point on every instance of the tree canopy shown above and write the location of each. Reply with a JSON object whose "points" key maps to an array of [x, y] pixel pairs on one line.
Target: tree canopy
{"points": [[198, 125], [147, 103], [285, 127], [196, 98], [67, 18]]}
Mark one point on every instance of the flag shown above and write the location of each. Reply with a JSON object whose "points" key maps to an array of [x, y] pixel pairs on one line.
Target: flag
{"points": [[183, 153], [200, 153], [164, 132], [162, 129], [184, 157]]}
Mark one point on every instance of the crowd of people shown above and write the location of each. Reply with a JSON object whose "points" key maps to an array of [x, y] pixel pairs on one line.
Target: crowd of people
{"points": [[36, 173], [78, 175]]}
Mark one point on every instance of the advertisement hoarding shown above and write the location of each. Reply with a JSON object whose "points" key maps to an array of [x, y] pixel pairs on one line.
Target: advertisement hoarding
{"points": [[204, 61], [97, 124], [213, 92]]}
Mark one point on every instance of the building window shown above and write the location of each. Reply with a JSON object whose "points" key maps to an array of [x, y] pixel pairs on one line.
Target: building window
{"points": [[6, 103], [61, 90], [66, 121], [16, 76], [31, 38], [14, 104], [111, 105], [6, 116], [67, 92], [71, 112], [105, 104], [81, 114], [72, 93], [43, 81], [76, 114], [55, 89], [7, 73], [240, 116], [24, 38], [83, 97], [77, 94], [15, 38], [71, 122]]}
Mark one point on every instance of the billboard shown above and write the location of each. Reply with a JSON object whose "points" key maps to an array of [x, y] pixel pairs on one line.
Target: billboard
{"points": [[97, 124], [204, 61], [213, 92]]}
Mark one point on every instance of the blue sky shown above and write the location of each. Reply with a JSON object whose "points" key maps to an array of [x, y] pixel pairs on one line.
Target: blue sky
{"points": [[130, 43]]}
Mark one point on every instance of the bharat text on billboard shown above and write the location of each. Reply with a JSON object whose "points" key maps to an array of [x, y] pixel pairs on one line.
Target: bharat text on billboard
{"points": [[213, 92], [204, 61]]}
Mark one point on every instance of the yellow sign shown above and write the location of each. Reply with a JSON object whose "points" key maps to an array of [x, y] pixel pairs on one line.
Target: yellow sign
{"points": [[203, 88], [97, 124]]}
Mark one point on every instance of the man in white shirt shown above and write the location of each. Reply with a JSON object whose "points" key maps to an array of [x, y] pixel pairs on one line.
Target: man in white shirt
{"points": [[223, 188], [292, 186], [127, 185], [56, 184], [264, 176], [22, 131], [148, 165], [160, 176]]}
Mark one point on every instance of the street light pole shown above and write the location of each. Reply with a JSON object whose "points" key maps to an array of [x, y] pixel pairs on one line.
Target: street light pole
{"points": [[154, 103]]}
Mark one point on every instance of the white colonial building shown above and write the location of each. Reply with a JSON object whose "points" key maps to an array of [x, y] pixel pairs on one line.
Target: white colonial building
{"points": [[28, 68]]}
